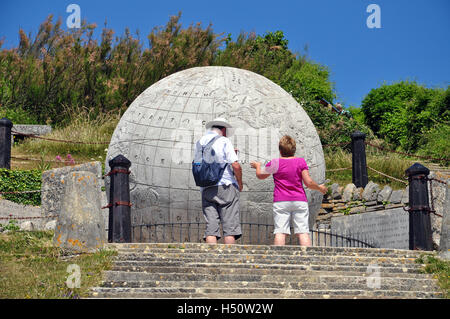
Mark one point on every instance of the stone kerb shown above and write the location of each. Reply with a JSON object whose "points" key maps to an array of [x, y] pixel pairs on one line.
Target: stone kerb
{"points": [[9, 209], [31, 129], [80, 225]]}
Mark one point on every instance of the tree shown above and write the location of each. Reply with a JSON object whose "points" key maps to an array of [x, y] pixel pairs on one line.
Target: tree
{"points": [[267, 55], [401, 112]]}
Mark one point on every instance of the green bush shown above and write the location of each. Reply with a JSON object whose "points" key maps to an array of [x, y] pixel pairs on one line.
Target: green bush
{"points": [[267, 55], [308, 82], [18, 116], [58, 67], [21, 180], [435, 143], [11, 226], [357, 114], [402, 112]]}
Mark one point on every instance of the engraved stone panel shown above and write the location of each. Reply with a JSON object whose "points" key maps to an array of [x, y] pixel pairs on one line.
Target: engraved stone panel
{"points": [[388, 228]]}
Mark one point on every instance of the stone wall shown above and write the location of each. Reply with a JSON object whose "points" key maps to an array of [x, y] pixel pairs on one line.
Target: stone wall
{"points": [[439, 194], [350, 200], [30, 129]]}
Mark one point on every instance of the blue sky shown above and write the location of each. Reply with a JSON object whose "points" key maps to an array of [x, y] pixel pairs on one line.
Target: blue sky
{"points": [[412, 43]]}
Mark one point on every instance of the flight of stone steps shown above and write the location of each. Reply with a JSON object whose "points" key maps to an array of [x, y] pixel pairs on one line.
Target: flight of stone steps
{"points": [[192, 270]]}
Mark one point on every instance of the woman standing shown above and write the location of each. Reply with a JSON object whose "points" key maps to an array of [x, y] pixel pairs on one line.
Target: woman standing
{"points": [[289, 198]]}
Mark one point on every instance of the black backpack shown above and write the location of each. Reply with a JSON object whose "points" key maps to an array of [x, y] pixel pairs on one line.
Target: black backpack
{"points": [[208, 172]]}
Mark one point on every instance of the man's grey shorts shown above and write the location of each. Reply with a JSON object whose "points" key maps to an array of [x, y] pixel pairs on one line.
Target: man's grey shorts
{"points": [[284, 211], [221, 204]]}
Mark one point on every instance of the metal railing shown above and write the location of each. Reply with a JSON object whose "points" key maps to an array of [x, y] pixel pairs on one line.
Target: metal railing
{"points": [[253, 234]]}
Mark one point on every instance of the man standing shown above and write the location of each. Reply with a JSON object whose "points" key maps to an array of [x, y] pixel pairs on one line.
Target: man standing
{"points": [[220, 202]]}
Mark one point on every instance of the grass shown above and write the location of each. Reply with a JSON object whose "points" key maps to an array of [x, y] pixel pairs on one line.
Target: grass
{"points": [[32, 268], [440, 269], [83, 127], [389, 164]]}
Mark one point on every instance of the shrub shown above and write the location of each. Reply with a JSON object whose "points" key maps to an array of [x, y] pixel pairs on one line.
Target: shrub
{"points": [[267, 55], [61, 68], [435, 143], [402, 112], [18, 116], [18, 180]]}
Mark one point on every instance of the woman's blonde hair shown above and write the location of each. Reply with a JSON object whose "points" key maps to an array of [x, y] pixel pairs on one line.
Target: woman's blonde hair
{"points": [[287, 146]]}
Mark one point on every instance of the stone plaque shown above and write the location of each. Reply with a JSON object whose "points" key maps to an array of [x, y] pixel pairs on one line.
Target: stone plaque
{"points": [[387, 228]]}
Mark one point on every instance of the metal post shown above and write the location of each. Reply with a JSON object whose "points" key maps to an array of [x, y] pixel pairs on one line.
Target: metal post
{"points": [[5, 143], [359, 164], [119, 204], [420, 235]]}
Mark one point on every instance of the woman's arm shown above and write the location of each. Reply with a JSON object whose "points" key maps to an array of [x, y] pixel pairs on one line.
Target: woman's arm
{"points": [[259, 173], [311, 184]]}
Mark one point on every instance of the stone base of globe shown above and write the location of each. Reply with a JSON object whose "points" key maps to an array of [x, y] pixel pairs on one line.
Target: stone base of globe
{"points": [[158, 133]]}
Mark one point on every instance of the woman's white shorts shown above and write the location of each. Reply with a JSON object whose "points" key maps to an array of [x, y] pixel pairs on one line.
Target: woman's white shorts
{"points": [[282, 213]]}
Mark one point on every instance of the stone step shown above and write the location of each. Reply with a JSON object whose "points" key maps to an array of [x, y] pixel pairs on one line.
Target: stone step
{"points": [[404, 254], [265, 264], [103, 292], [260, 258], [279, 249], [130, 275], [311, 283], [207, 265], [196, 270], [256, 269]]}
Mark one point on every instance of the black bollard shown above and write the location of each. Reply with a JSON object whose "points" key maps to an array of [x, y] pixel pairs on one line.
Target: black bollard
{"points": [[420, 235], [359, 164], [5, 143], [119, 223]]}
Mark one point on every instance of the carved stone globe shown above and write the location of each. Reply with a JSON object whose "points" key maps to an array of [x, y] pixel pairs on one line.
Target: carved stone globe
{"points": [[158, 133]]}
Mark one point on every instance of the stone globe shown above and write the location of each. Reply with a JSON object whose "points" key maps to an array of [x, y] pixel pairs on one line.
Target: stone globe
{"points": [[158, 133]]}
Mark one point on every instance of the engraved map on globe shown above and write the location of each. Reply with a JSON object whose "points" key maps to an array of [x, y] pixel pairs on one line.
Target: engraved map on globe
{"points": [[159, 130]]}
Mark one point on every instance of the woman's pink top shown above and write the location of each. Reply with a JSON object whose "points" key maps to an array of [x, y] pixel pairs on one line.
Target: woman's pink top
{"points": [[287, 176]]}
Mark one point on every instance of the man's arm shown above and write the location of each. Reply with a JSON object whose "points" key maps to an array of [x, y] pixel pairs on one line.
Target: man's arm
{"points": [[237, 169]]}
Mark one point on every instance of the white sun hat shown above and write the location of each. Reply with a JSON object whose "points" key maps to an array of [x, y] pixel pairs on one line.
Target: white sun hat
{"points": [[218, 122]]}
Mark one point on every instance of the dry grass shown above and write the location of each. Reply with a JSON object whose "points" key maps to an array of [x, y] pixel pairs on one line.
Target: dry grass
{"points": [[390, 164], [82, 127], [31, 267]]}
